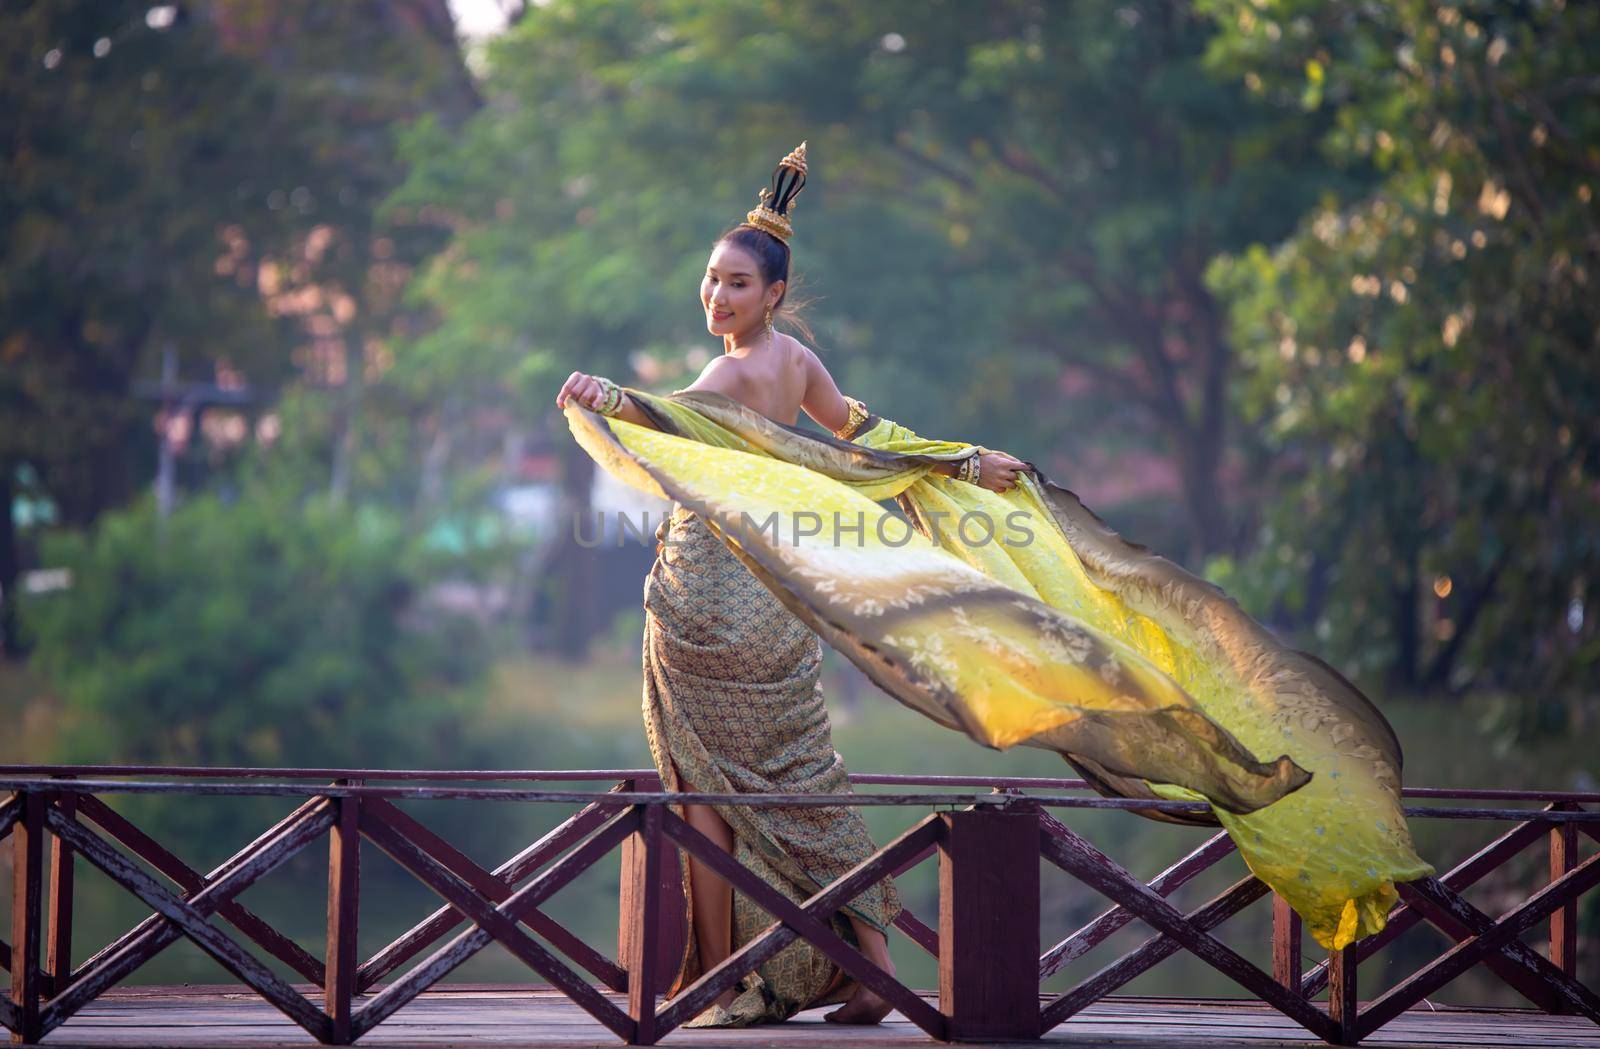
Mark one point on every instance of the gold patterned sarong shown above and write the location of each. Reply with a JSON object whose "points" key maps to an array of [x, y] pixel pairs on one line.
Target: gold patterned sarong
{"points": [[1149, 680], [732, 705]]}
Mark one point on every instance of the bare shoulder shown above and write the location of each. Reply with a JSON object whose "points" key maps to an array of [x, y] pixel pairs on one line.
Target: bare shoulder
{"points": [[796, 347], [720, 375], [803, 357]]}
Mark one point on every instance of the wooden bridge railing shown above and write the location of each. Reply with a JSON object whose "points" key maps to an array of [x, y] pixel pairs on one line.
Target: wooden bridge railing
{"points": [[987, 941]]}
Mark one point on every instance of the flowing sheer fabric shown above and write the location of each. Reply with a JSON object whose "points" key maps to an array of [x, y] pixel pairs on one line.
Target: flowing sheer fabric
{"points": [[1054, 633]]}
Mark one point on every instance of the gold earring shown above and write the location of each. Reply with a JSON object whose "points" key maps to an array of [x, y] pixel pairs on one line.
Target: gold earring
{"points": [[769, 320]]}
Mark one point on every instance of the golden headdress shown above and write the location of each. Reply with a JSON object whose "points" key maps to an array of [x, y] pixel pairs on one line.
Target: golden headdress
{"points": [[777, 201]]}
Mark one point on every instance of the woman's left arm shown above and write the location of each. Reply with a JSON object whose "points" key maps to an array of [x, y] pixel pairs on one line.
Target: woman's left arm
{"points": [[997, 471], [822, 399]]}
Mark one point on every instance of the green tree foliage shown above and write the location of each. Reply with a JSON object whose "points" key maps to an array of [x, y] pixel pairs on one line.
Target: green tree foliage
{"points": [[1011, 213], [126, 145], [121, 153], [1078, 166], [357, 72], [276, 629], [196, 177], [1423, 358]]}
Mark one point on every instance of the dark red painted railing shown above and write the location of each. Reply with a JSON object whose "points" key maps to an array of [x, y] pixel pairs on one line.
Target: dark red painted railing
{"points": [[987, 940]]}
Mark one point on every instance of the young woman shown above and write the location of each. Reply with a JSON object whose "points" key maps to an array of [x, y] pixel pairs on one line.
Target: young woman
{"points": [[731, 699], [1147, 679]]}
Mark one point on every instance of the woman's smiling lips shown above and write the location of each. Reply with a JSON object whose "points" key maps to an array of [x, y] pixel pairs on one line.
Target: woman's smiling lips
{"points": [[715, 315]]}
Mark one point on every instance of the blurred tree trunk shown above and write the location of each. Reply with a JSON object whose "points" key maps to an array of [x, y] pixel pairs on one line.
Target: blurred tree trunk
{"points": [[573, 568], [347, 416], [10, 570]]}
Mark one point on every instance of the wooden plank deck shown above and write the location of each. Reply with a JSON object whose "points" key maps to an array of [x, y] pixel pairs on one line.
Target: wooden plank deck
{"points": [[467, 1016]]}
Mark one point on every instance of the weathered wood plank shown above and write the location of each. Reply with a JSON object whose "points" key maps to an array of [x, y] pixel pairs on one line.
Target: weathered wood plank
{"points": [[27, 892], [917, 931], [497, 889], [560, 797], [912, 861], [1564, 922], [416, 939], [1099, 929], [344, 904], [492, 920], [190, 881], [1286, 943], [989, 925], [1344, 1004], [189, 918], [1461, 877], [471, 941], [1461, 921], [642, 962], [823, 905], [1467, 953], [10, 812], [149, 937], [58, 956], [808, 925], [502, 1016], [669, 932], [1137, 961], [1078, 857]]}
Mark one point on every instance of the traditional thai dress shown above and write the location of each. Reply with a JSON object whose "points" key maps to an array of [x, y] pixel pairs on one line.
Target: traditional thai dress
{"points": [[732, 704], [1054, 632]]}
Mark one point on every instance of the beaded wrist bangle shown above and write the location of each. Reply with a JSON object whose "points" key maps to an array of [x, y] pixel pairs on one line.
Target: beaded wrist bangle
{"points": [[611, 403], [858, 413], [970, 468]]}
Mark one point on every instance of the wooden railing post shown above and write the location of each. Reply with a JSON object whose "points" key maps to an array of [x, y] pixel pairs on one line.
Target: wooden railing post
{"points": [[27, 891], [1342, 1001], [640, 883], [58, 954], [989, 925], [344, 896], [1564, 920], [1285, 944], [643, 960]]}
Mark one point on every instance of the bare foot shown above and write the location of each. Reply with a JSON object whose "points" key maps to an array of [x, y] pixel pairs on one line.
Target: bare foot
{"points": [[715, 1014], [864, 1007]]}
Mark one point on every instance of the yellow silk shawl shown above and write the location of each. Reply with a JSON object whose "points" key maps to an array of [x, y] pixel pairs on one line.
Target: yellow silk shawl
{"points": [[1055, 633]]}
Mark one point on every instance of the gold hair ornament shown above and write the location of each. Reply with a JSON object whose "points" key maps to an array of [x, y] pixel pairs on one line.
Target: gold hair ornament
{"points": [[777, 200]]}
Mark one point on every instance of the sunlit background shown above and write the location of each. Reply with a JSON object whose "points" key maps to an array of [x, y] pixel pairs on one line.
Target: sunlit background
{"points": [[1301, 294]]}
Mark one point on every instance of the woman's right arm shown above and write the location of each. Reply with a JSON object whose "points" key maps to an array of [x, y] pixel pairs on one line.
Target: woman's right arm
{"points": [[586, 390]]}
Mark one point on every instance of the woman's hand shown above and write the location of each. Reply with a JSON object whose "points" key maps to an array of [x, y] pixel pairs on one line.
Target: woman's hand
{"points": [[997, 471], [585, 389]]}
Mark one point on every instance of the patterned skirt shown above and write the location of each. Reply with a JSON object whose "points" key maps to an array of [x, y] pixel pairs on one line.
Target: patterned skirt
{"points": [[732, 704]]}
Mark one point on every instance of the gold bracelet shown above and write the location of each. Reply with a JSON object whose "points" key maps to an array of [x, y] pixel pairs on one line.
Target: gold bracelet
{"points": [[858, 414], [971, 468]]}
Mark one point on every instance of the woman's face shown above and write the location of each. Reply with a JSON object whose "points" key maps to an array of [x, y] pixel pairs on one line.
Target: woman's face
{"points": [[734, 298]]}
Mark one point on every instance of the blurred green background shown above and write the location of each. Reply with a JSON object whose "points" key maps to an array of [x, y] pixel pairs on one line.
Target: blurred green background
{"points": [[1295, 292]]}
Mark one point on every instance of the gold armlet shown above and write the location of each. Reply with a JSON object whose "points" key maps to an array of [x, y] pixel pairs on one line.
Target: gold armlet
{"points": [[858, 415]]}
